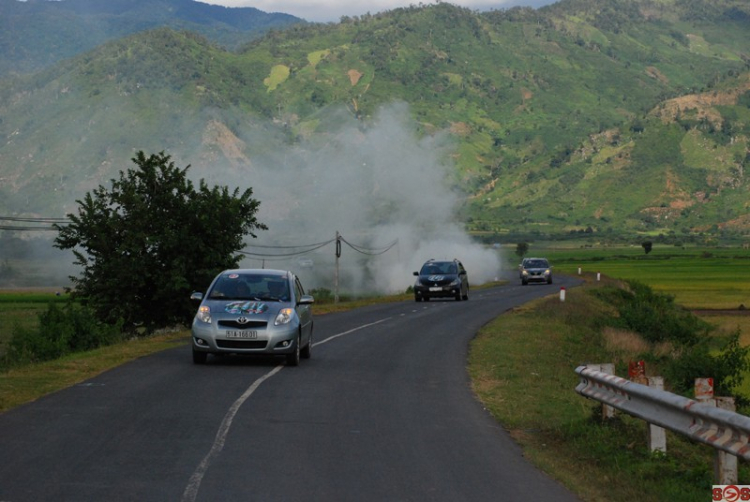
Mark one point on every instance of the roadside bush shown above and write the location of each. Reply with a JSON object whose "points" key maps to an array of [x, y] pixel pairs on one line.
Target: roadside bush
{"points": [[658, 319], [725, 366], [322, 295], [696, 352], [325, 296], [62, 330]]}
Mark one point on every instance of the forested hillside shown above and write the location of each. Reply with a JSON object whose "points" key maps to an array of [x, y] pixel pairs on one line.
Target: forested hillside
{"points": [[615, 118], [37, 33]]}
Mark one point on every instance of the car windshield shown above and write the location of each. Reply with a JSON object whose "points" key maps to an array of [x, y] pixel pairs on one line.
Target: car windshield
{"points": [[439, 268], [537, 264], [235, 286]]}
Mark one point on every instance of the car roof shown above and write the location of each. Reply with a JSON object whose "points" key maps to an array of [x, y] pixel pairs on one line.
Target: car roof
{"points": [[535, 259], [258, 271]]}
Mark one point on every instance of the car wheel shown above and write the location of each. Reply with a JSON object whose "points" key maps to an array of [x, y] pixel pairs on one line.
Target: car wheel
{"points": [[466, 296], [307, 351], [417, 299], [458, 296], [425, 298], [293, 358], [524, 283], [549, 281], [199, 357]]}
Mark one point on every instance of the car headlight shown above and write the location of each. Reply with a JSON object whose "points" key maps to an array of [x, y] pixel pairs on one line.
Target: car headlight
{"points": [[546, 272], [204, 314], [455, 283], [525, 272], [284, 317]]}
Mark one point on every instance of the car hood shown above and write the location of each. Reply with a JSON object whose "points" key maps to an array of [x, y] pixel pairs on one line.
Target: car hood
{"points": [[255, 309], [437, 278], [536, 269]]}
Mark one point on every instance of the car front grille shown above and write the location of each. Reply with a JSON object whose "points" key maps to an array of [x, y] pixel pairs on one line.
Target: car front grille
{"points": [[241, 344], [247, 325]]}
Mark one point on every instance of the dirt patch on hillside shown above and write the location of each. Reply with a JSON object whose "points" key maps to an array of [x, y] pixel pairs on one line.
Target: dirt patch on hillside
{"points": [[702, 103], [460, 129], [739, 223], [218, 136], [653, 72], [354, 76]]}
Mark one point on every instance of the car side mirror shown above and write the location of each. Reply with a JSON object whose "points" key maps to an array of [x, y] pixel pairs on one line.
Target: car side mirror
{"points": [[196, 296], [306, 300], [416, 273]]}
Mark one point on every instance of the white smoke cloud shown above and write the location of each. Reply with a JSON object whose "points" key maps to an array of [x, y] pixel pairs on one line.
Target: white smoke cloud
{"points": [[376, 185]]}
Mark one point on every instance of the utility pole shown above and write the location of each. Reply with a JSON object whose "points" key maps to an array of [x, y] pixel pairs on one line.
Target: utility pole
{"points": [[336, 270]]}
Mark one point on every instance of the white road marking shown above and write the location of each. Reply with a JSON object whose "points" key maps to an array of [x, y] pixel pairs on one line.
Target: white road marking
{"points": [[191, 491], [349, 332]]}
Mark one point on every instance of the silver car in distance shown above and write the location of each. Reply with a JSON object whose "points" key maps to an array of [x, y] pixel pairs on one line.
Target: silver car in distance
{"points": [[253, 312]]}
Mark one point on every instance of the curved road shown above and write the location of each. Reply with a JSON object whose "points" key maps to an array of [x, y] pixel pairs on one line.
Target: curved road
{"points": [[382, 412]]}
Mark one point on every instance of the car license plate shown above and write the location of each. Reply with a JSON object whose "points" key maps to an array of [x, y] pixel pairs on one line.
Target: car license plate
{"points": [[436, 289], [241, 333]]}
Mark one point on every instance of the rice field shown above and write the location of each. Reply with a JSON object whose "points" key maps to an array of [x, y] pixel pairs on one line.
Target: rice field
{"points": [[699, 279]]}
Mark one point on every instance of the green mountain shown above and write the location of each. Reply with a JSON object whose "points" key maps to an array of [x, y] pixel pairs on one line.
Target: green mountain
{"points": [[37, 33], [615, 118]]}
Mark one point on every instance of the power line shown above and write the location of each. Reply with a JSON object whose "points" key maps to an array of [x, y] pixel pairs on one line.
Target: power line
{"points": [[370, 251], [291, 247], [33, 220], [28, 219], [312, 247], [308, 248], [27, 229]]}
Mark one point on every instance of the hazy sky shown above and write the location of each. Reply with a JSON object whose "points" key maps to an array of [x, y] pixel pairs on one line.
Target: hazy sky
{"points": [[332, 10]]}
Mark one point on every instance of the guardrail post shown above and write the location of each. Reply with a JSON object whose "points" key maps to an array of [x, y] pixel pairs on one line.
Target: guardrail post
{"points": [[657, 436], [725, 464], [608, 368]]}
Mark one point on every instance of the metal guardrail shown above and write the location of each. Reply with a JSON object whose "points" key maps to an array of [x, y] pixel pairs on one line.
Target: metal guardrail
{"points": [[722, 429]]}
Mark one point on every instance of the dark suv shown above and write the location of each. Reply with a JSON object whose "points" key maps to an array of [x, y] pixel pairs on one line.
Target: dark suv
{"points": [[441, 279]]}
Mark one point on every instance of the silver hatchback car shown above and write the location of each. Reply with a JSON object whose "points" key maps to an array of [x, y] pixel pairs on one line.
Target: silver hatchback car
{"points": [[535, 270], [253, 311]]}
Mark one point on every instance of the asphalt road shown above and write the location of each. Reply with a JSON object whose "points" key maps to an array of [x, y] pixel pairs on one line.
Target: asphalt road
{"points": [[382, 412]]}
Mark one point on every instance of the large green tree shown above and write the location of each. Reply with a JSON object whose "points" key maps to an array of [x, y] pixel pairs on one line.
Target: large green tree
{"points": [[153, 237]]}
